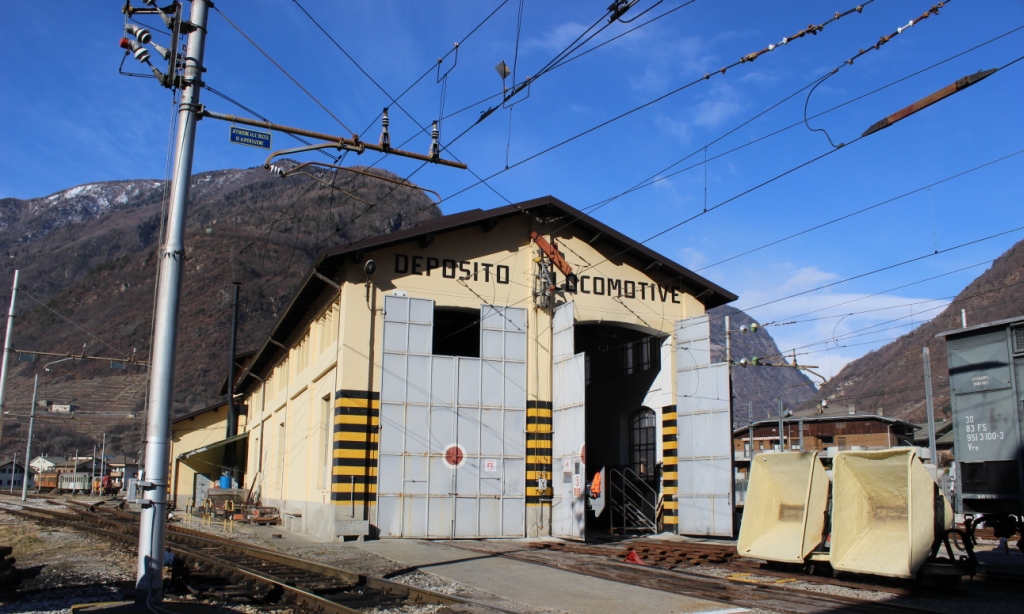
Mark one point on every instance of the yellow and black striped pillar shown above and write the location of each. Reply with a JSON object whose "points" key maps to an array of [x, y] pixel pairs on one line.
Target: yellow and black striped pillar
{"points": [[356, 435], [670, 469], [538, 453]]}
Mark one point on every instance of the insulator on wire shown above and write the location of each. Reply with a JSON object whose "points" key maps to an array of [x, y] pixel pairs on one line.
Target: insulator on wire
{"points": [[435, 143], [385, 136], [277, 170], [140, 33], [140, 52]]}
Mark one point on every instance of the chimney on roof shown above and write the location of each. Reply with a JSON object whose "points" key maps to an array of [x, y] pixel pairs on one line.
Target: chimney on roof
{"points": [[852, 409], [881, 412]]}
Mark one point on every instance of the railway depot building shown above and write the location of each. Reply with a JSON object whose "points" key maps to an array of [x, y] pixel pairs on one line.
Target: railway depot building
{"points": [[469, 377]]}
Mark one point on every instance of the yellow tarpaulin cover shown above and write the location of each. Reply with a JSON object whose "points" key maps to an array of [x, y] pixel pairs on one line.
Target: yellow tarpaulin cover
{"points": [[884, 512], [784, 513]]}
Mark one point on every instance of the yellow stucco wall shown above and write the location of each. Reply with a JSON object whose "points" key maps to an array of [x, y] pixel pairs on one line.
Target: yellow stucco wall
{"points": [[187, 435], [329, 360]]}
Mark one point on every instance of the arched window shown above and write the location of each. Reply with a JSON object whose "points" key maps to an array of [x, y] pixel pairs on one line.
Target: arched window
{"points": [[642, 445]]}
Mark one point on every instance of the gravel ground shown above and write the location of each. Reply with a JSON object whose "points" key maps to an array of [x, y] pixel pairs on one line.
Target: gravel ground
{"points": [[60, 568]]}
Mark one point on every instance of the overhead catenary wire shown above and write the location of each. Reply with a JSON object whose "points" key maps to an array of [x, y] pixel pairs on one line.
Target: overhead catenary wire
{"points": [[863, 210], [394, 101], [282, 69], [750, 57], [485, 179], [662, 176]]}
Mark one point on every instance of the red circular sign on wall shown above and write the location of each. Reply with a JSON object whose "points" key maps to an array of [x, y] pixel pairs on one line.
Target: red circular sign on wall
{"points": [[454, 455]]}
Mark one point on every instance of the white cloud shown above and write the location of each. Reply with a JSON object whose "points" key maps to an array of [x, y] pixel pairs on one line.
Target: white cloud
{"points": [[806, 278], [718, 105], [557, 39], [829, 328], [690, 258], [678, 127], [711, 113]]}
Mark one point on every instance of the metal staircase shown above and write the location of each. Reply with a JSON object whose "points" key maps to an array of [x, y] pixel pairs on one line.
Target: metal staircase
{"points": [[632, 503]]}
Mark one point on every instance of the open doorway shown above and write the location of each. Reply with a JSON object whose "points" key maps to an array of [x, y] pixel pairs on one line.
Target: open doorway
{"points": [[456, 332], [621, 367]]}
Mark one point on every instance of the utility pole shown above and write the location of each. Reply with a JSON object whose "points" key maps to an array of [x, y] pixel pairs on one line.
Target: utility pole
{"points": [[728, 344], [28, 446], [928, 401], [153, 519], [103, 459], [14, 468], [7, 351], [232, 410], [92, 474], [750, 428], [782, 442]]}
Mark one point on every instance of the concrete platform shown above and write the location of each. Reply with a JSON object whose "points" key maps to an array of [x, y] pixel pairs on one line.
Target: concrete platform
{"points": [[540, 587]]}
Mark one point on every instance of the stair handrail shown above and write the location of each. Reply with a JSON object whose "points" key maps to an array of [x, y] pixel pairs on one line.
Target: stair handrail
{"points": [[637, 510]]}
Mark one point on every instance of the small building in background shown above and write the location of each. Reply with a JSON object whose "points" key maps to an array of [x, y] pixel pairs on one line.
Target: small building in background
{"points": [[63, 408], [824, 433], [120, 469], [13, 473], [197, 453], [73, 465], [42, 464]]}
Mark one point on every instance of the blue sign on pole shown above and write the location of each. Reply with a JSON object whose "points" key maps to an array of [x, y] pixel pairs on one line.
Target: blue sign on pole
{"points": [[252, 138]]}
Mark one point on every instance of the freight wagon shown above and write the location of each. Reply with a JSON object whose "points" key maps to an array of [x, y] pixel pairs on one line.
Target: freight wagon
{"points": [[986, 389]]}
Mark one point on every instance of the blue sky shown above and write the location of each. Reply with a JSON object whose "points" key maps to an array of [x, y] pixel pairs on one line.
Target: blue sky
{"points": [[68, 118]]}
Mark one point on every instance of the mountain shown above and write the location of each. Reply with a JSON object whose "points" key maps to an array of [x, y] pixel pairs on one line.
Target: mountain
{"points": [[891, 378], [87, 257], [756, 389]]}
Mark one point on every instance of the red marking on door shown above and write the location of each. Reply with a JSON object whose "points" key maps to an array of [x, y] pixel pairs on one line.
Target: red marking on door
{"points": [[453, 455]]}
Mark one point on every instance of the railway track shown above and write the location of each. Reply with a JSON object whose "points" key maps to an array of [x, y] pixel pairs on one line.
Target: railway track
{"points": [[681, 555], [231, 571], [779, 598]]}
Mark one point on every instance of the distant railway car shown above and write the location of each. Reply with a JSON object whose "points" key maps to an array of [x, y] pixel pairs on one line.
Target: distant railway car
{"points": [[986, 384], [76, 482], [46, 482]]}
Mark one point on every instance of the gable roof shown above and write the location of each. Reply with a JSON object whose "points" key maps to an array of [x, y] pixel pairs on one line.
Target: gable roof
{"points": [[199, 412], [50, 459], [330, 261], [795, 419], [970, 329]]}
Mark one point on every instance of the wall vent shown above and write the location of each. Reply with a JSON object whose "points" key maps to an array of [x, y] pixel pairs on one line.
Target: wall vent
{"points": [[1018, 340]]}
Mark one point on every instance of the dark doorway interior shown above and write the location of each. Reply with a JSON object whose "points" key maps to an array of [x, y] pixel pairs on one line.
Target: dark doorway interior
{"points": [[621, 366]]}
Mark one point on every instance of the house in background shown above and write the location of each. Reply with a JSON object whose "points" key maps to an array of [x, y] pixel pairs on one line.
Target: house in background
{"points": [[12, 473], [824, 432], [73, 465], [120, 469], [42, 464]]}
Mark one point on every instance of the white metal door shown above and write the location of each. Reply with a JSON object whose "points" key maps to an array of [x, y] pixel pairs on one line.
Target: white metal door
{"points": [[704, 421], [568, 386], [201, 489], [452, 451]]}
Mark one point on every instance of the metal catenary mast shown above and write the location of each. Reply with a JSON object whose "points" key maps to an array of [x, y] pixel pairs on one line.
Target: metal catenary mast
{"points": [[185, 74]]}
